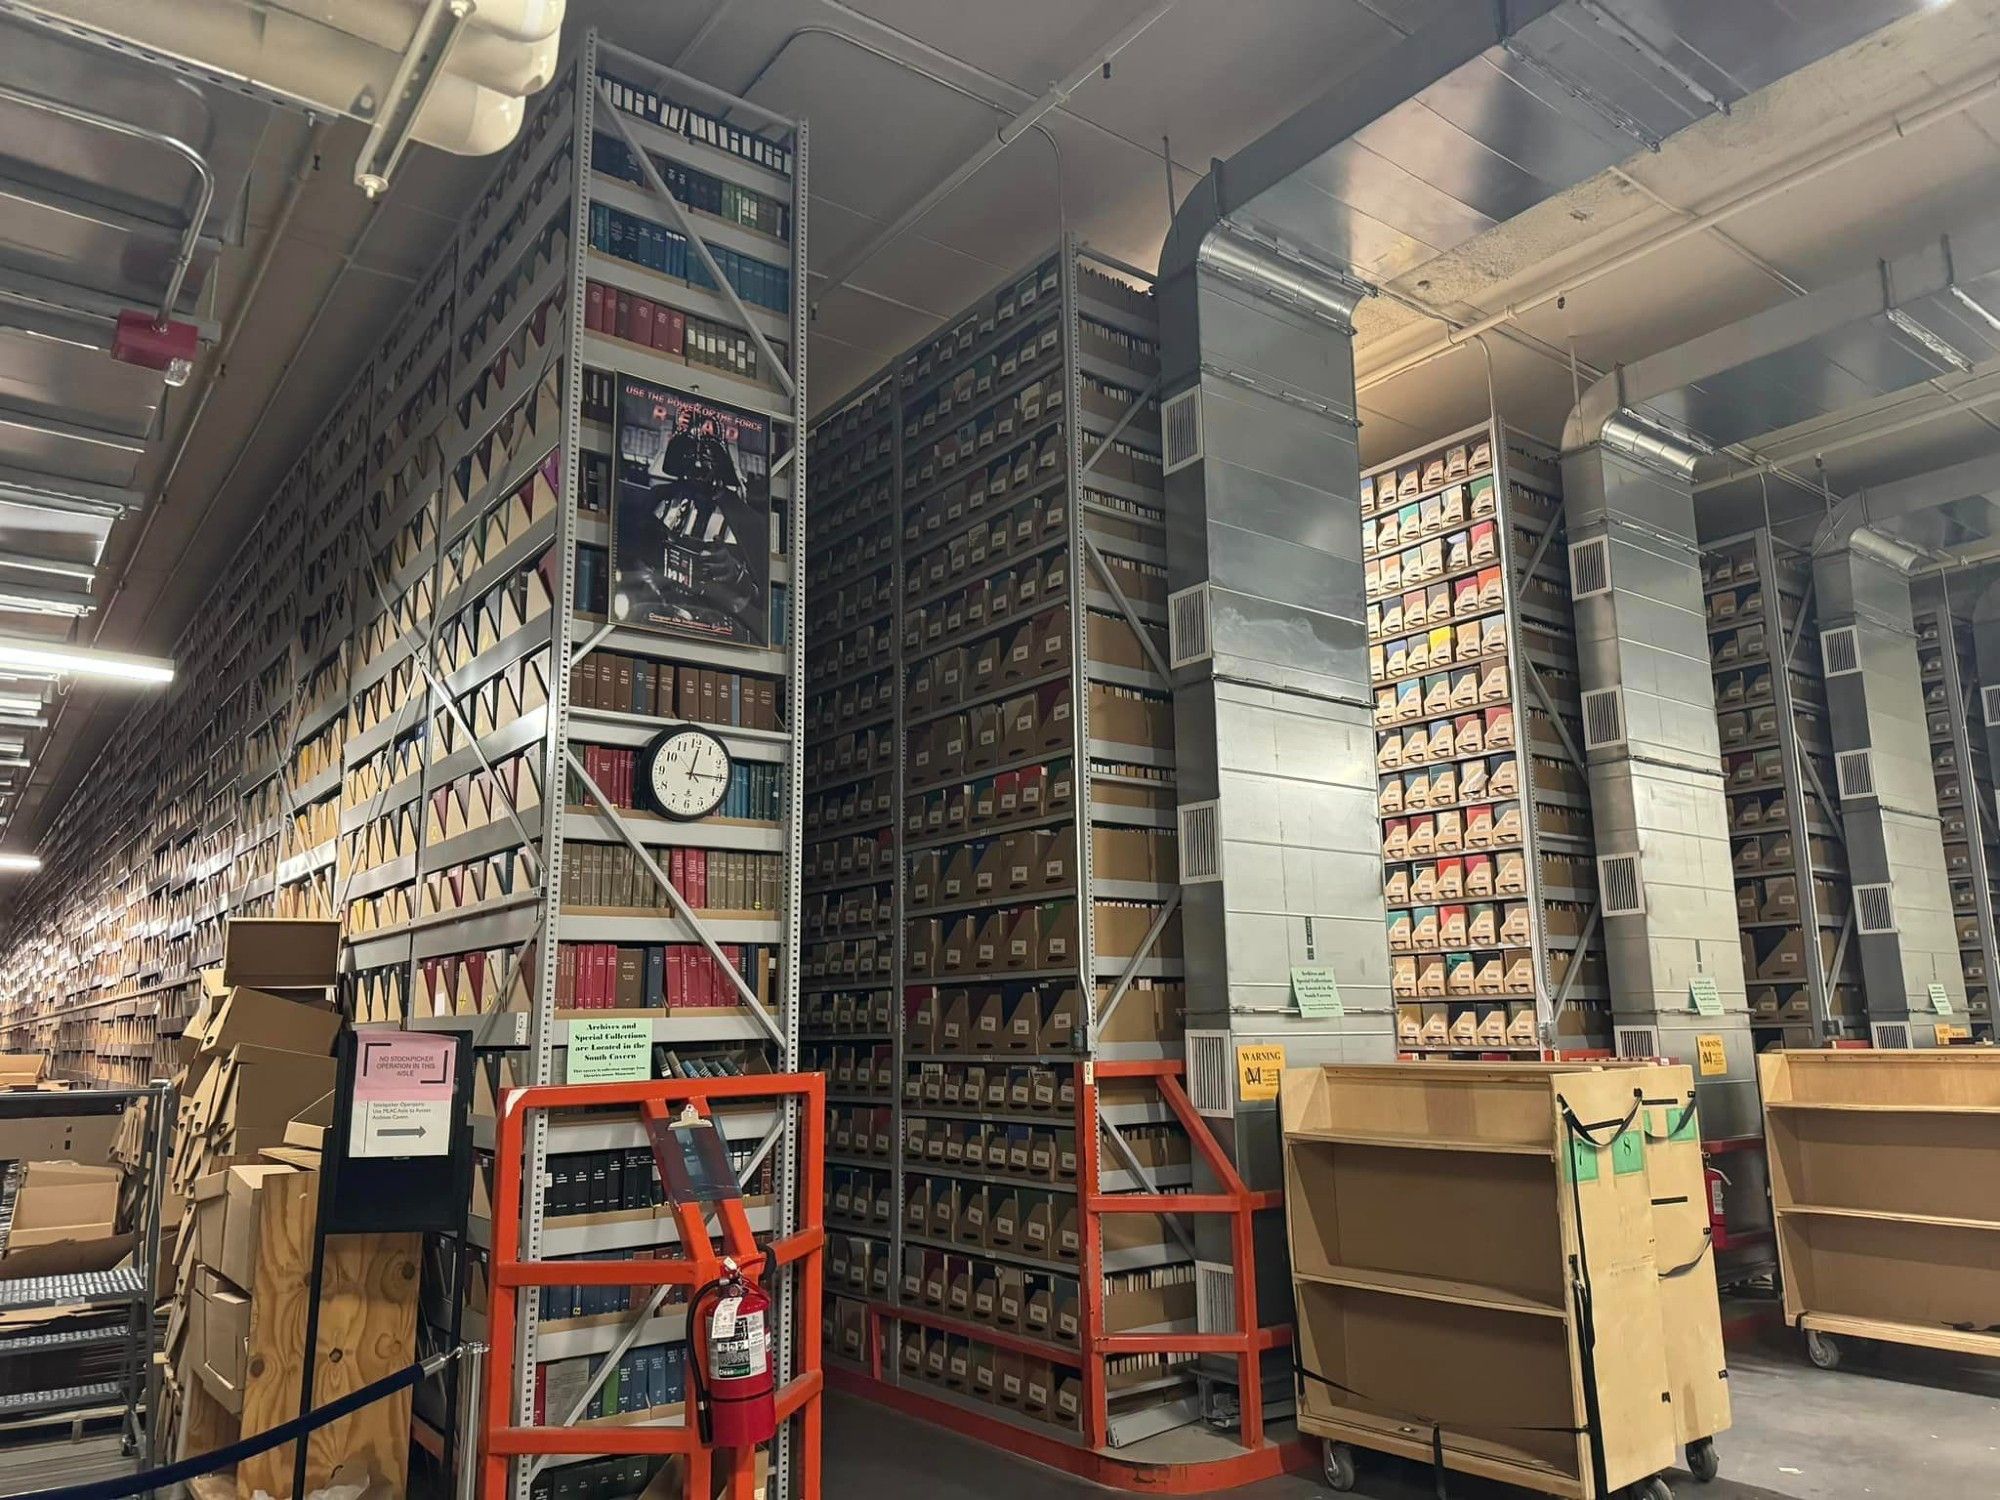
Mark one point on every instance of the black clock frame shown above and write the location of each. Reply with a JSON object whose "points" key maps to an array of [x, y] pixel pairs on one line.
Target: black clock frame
{"points": [[642, 779]]}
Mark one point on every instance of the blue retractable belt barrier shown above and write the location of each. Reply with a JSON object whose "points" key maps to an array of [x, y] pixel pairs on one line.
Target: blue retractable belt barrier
{"points": [[250, 1447]]}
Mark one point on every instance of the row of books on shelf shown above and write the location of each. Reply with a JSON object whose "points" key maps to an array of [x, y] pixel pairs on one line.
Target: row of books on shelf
{"points": [[612, 876], [650, 105], [755, 791], [620, 683], [1044, 789], [661, 976], [847, 1012], [643, 1379], [693, 188], [1406, 481], [641, 242], [621, 314]]}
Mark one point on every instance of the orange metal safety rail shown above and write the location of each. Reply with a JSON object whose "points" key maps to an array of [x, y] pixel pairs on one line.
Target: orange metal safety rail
{"points": [[656, 1102], [1248, 1342]]}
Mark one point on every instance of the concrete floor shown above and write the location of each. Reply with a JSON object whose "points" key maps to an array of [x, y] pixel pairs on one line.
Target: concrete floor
{"points": [[1890, 1425]]}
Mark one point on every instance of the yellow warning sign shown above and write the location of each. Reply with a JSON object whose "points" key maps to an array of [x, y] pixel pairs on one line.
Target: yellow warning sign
{"points": [[1946, 1033], [1258, 1067], [1710, 1060]]}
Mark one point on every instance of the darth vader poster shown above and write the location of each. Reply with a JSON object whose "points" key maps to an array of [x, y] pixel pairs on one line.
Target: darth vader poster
{"points": [[691, 516]]}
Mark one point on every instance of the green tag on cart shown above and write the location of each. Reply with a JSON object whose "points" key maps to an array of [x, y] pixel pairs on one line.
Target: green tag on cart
{"points": [[1582, 1160], [1689, 1128], [1628, 1153]]}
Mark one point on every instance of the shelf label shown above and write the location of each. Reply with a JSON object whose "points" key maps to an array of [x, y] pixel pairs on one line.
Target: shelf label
{"points": [[615, 1049], [1316, 992], [1258, 1068], [1940, 1001], [403, 1086], [1710, 1060], [1704, 996]]}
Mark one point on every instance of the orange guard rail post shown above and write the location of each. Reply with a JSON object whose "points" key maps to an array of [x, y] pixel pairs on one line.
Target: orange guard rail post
{"points": [[659, 1101]]}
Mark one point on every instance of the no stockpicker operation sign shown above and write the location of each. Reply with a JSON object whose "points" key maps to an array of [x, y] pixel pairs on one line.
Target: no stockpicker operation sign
{"points": [[403, 1087]]}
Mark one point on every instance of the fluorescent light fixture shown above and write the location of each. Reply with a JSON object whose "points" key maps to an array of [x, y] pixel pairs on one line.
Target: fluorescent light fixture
{"points": [[26, 863], [59, 658], [22, 721], [15, 760]]}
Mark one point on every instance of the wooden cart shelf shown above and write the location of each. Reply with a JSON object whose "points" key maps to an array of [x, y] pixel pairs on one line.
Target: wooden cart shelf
{"points": [[1424, 1143], [1433, 1289], [1885, 1202], [1829, 1211]]}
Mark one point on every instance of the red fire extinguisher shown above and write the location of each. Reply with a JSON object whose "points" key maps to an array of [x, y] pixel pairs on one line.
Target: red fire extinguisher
{"points": [[1718, 1223], [729, 1361]]}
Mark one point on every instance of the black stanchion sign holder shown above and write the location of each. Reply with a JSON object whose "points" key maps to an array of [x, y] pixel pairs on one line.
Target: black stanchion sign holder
{"points": [[399, 1154], [396, 1159]]}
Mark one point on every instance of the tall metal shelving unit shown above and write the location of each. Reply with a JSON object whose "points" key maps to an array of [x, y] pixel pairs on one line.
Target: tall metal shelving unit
{"points": [[392, 713], [1490, 882], [1962, 766], [991, 756], [1785, 830]]}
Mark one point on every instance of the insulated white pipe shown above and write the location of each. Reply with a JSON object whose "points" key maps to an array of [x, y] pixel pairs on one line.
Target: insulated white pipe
{"points": [[1897, 128], [481, 53], [279, 51]]}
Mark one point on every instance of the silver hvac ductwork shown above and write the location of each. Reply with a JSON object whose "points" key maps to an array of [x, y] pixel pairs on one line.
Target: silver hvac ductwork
{"points": [[1470, 114], [1908, 320], [1904, 929]]}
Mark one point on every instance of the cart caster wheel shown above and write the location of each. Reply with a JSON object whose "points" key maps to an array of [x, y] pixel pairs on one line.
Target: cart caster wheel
{"points": [[1702, 1460], [1655, 1488], [1822, 1350], [1337, 1461]]}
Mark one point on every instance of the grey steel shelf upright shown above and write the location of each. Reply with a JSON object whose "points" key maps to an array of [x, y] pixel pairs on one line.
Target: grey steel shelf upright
{"points": [[402, 629], [1961, 764], [1785, 830], [1495, 929], [1020, 441]]}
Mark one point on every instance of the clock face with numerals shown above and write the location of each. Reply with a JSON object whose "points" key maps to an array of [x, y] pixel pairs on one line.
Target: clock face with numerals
{"points": [[685, 773]]}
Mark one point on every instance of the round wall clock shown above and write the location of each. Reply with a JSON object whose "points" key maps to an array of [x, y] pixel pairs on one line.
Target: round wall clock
{"points": [[683, 773]]}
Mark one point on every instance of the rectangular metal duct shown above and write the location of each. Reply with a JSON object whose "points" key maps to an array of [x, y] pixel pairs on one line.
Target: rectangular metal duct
{"points": [[1273, 714], [1656, 778], [1904, 927]]}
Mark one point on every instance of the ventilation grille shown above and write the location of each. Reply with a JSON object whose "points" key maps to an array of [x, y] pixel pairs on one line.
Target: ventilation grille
{"points": [[1840, 649], [1874, 909], [1890, 1035], [1590, 567], [1618, 886], [1214, 1297], [1603, 718], [1188, 639], [1180, 420], [1211, 1082], [1200, 843], [1854, 773], [1989, 699], [1636, 1043]]}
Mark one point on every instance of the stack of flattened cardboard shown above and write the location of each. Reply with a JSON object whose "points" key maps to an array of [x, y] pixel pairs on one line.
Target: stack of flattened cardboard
{"points": [[255, 1054]]}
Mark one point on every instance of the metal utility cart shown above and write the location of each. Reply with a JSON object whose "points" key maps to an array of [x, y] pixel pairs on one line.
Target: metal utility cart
{"points": [[1536, 1352], [38, 1125]]}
